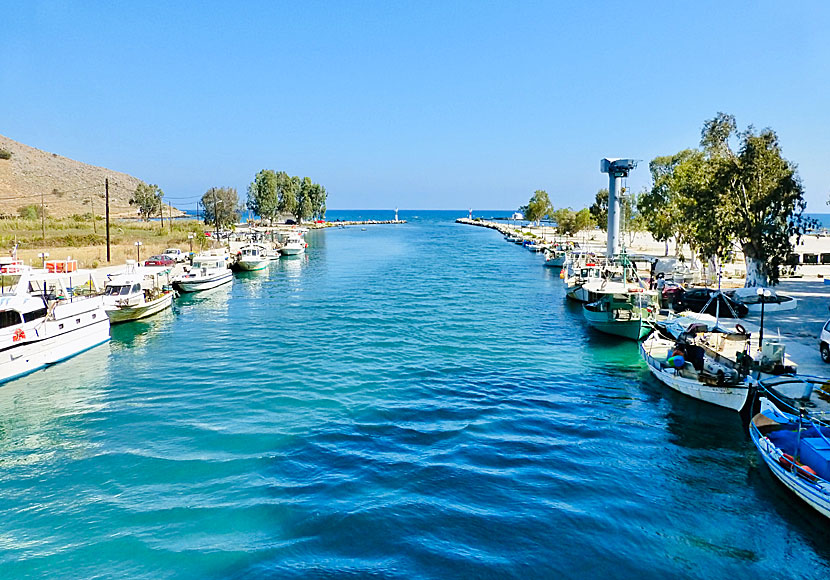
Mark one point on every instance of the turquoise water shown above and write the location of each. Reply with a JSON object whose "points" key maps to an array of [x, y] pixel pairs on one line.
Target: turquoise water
{"points": [[412, 401]]}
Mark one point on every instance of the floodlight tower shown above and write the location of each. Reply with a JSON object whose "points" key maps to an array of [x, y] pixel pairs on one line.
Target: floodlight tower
{"points": [[616, 170]]}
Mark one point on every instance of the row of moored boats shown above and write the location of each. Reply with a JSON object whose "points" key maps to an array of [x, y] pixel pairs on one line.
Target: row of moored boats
{"points": [[697, 354]]}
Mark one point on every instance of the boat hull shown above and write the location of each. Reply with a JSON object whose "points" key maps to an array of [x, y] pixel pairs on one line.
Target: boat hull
{"points": [[33, 355], [128, 313], [252, 265], [291, 251], [728, 396], [814, 495], [187, 285], [633, 329]]}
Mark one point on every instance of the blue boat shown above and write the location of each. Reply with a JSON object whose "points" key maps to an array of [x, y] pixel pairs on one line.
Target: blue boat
{"points": [[792, 434]]}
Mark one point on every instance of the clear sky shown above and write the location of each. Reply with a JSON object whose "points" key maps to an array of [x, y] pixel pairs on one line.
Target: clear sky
{"points": [[412, 104]]}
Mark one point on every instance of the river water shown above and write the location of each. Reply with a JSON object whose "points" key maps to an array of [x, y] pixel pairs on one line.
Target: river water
{"points": [[408, 401]]}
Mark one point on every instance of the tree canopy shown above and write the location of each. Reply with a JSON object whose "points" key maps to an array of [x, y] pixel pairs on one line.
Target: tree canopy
{"points": [[538, 207], [221, 205], [273, 194], [148, 199], [570, 222], [714, 197]]}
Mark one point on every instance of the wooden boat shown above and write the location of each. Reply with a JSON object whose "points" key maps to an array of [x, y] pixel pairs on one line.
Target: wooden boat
{"points": [[699, 375], [792, 434], [628, 315], [137, 293]]}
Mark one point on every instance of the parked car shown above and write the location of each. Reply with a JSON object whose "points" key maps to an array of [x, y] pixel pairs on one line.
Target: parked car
{"points": [[176, 254], [824, 342], [697, 298], [160, 260]]}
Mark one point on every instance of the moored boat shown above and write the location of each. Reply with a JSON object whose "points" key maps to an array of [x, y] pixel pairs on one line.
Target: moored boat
{"points": [[294, 245], [46, 318], [251, 257], [137, 293], [208, 271], [628, 315], [689, 369], [792, 434]]}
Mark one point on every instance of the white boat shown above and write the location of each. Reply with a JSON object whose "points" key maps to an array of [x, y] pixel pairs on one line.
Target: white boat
{"points": [[252, 257], [294, 245], [792, 434], [137, 293], [46, 318], [208, 271], [708, 379], [773, 303], [555, 258]]}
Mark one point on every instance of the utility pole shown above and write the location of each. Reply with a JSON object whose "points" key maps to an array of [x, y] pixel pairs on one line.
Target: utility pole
{"points": [[215, 212], [107, 188], [92, 209], [42, 217], [161, 213], [170, 216]]}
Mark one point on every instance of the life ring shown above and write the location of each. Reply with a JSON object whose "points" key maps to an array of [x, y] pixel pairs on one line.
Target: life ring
{"points": [[18, 335], [741, 329]]}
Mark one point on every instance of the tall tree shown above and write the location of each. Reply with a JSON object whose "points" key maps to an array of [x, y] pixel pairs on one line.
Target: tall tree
{"points": [[538, 207], [221, 205], [288, 188], [263, 195], [318, 201], [305, 204], [599, 209], [764, 199], [148, 199]]}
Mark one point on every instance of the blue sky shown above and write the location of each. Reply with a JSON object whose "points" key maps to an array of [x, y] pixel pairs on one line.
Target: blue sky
{"points": [[418, 105]]}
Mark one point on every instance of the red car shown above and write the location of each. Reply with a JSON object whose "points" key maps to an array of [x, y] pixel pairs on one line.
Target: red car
{"points": [[160, 260]]}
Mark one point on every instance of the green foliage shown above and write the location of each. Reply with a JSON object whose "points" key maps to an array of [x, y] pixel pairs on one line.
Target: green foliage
{"points": [[30, 212], [263, 194], [289, 189], [221, 205], [148, 200], [538, 207], [713, 197], [5, 154]]}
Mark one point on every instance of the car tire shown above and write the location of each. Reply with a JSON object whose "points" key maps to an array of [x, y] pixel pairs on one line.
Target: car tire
{"points": [[825, 352]]}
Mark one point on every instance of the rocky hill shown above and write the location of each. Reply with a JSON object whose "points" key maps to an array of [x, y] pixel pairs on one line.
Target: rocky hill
{"points": [[68, 187]]}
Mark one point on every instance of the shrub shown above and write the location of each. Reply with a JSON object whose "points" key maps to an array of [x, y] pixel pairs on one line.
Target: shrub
{"points": [[29, 212], [5, 154]]}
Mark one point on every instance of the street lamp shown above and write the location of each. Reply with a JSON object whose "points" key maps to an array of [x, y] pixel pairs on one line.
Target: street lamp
{"points": [[190, 239], [43, 256], [138, 252], [763, 294]]}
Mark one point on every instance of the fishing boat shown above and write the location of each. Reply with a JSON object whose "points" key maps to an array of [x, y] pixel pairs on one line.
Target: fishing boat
{"points": [[555, 258], [792, 434], [46, 318], [294, 245], [689, 367], [208, 271], [628, 315], [251, 257], [137, 293]]}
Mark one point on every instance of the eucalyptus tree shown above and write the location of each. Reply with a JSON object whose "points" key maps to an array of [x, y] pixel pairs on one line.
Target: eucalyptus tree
{"points": [[288, 188], [538, 207], [221, 205], [263, 194], [148, 199], [305, 205]]}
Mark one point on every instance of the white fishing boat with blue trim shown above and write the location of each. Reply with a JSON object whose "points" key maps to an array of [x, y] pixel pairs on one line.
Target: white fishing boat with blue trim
{"points": [[207, 271], [137, 292], [792, 433]]}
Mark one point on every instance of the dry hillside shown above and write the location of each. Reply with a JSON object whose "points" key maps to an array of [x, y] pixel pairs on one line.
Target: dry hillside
{"points": [[69, 187]]}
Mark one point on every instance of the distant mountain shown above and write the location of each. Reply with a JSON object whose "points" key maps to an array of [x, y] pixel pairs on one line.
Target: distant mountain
{"points": [[68, 186]]}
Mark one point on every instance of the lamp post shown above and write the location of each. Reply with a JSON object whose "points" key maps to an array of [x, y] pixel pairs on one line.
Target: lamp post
{"points": [[43, 256], [190, 239], [763, 294], [138, 252], [216, 203]]}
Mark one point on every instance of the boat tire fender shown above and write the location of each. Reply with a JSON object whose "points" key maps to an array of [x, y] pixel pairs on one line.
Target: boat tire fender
{"points": [[741, 329]]}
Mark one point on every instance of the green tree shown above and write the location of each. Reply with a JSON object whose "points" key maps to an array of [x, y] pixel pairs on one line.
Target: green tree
{"points": [[263, 194], [583, 220], [221, 205], [288, 188], [305, 204], [599, 209], [148, 200], [538, 207], [318, 201]]}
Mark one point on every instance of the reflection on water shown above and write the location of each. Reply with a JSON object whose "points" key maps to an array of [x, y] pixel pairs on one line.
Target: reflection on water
{"points": [[42, 415], [137, 332], [213, 299]]}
